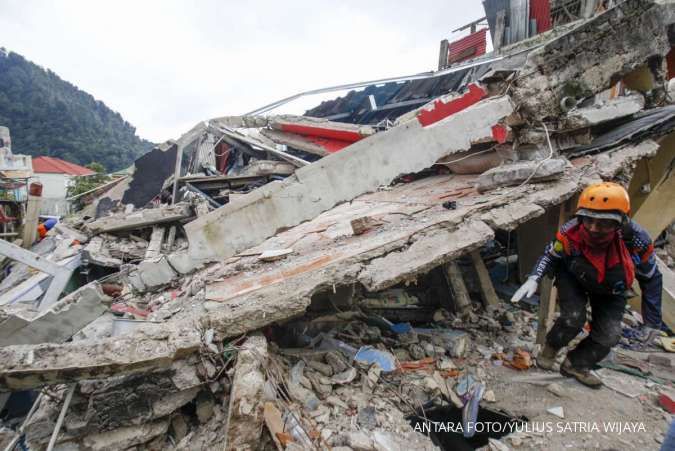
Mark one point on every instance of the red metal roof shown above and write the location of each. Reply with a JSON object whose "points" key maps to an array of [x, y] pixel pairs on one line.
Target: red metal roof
{"points": [[51, 165], [541, 10], [468, 47]]}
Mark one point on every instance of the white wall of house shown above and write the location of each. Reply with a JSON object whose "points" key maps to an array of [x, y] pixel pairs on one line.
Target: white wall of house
{"points": [[54, 190]]}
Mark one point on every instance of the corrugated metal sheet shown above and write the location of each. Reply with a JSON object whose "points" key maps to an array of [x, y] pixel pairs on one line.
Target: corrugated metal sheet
{"points": [[205, 154], [540, 10], [355, 106], [468, 47], [519, 22], [492, 7]]}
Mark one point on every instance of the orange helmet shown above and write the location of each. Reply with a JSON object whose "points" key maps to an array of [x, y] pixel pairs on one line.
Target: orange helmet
{"points": [[604, 200]]}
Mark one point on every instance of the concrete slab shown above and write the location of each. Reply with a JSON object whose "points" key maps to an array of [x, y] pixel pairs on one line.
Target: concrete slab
{"points": [[360, 168], [60, 322]]}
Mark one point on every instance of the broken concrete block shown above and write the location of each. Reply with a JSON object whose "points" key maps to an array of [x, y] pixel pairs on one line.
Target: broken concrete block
{"points": [[359, 441], [133, 278], [153, 348], [179, 427], [516, 173], [140, 219], [60, 322], [426, 251], [182, 263], [510, 216], [609, 164], [70, 233], [94, 253], [245, 414], [274, 254], [204, 406], [362, 225], [569, 67], [156, 272], [125, 438], [611, 109]]}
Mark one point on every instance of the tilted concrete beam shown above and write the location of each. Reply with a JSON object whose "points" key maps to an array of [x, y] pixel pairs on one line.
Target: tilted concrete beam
{"points": [[340, 177]]}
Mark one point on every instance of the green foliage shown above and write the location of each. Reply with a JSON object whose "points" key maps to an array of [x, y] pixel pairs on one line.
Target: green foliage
{"points": [[49, 116], [88, 182]]}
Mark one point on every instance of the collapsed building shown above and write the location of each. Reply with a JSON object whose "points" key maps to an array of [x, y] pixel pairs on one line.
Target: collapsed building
{"points": [[330, 281]]}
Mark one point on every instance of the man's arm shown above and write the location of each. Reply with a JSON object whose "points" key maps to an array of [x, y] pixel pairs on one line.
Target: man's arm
{"points": [[550, 261]]}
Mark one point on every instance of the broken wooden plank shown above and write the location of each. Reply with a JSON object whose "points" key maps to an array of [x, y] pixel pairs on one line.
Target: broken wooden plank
{"points": [[547, 291], [459, 291], [487, 289], [245, 413], [156, 238], [274, 423], [547, 299]]}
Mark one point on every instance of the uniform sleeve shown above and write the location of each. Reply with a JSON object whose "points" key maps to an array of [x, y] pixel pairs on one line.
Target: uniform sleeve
{"points": [[647, 273], [554, 253]]}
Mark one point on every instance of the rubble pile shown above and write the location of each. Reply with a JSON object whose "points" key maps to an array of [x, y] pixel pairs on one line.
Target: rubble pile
{"points": [[288, 282]]}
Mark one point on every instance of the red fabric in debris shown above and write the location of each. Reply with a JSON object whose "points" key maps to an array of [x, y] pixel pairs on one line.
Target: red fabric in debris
{"points": [[468, 47], [541, 11], [499, 133], [442, 110]]}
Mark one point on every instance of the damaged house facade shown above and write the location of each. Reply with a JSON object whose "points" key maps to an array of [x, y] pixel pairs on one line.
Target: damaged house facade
{"points": [[335, 280]]}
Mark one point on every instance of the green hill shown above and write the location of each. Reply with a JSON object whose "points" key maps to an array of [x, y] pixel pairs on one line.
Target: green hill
{"points": [[49, 116]]}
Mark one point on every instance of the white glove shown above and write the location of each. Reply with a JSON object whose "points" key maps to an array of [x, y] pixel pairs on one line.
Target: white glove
{"points": [[526, 290]]}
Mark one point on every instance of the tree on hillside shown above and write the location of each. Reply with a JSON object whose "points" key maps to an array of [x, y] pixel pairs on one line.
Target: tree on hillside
{"points": [[49, 116], [85, 183]]}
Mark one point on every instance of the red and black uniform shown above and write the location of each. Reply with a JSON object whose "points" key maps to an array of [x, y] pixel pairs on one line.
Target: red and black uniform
{"points": [[600, 273]]}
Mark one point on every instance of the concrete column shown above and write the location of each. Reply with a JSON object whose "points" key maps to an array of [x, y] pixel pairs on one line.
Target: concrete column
{"points": [[30, 221]]}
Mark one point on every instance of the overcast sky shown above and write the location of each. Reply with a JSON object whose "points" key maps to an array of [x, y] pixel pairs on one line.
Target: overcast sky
{"points": [[166, 65]]}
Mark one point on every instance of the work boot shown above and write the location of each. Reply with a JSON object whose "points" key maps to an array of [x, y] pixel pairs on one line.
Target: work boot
{"points": [[546, 357], [584, 376]]}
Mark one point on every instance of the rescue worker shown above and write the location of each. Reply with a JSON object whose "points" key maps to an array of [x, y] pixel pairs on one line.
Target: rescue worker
{"points": [[595, 258]]}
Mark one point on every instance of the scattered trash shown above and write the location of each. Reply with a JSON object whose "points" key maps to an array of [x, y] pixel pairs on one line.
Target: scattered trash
{"points": [[557, 411], [370, 355], [470, 411]]}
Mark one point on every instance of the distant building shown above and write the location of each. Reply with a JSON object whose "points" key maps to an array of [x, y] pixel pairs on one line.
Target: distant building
{"points": [[56, 176]]}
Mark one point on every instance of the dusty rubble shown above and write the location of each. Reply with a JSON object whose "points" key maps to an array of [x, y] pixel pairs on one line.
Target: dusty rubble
{"points": [[291, 282]]}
